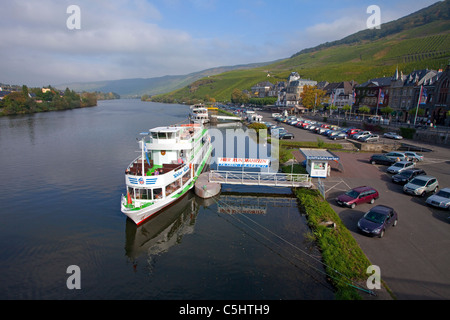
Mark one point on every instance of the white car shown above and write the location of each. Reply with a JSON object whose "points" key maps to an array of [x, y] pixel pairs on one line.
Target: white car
{"points": [[440, 199], [400, 166], [393, 135]]}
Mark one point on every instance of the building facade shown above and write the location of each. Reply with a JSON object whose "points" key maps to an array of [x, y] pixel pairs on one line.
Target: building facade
{"points": [[440, 102]]}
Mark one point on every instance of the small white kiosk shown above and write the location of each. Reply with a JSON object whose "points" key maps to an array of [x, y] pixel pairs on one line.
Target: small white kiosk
{"points": [[317, 164]]}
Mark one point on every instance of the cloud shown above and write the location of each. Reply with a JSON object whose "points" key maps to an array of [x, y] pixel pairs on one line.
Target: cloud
{"points": [[36, 42], [135, 39]]}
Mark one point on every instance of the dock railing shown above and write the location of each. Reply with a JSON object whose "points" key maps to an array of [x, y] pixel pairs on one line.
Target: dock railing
{"points": [[260, 178]]}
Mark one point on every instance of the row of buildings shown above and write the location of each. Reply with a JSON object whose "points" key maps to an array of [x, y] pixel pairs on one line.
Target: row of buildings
{"points": [[424, 91], [288, 93]]}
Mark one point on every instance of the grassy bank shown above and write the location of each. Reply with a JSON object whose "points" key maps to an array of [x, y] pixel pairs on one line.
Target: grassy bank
{"points": [[345, 262]]}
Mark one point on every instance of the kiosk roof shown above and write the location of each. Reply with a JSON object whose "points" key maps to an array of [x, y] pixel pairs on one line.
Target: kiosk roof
{"points": [[318, 154]]}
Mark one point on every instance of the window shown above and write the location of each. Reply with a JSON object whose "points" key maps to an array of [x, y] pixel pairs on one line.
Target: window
{"points": [[443, 91], [157, 194]]}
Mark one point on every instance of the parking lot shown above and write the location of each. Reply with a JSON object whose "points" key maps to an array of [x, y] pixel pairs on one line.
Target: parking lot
{"points": [[414, 256]]}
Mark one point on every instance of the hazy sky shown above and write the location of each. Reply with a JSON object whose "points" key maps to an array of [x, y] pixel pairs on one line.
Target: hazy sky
{"points": [[121, 39]]}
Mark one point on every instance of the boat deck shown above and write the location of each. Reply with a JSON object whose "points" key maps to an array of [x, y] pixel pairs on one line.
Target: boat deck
{"points": [[150, 169]]}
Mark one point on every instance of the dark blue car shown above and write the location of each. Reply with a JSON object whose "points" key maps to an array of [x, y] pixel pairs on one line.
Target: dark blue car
{"points": [[377, 220]]}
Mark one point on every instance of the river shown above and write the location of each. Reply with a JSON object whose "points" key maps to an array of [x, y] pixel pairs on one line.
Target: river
{"points": [[61, 181]]}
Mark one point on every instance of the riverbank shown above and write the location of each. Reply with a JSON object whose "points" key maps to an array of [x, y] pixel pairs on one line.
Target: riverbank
{"points": [[35, 100]]}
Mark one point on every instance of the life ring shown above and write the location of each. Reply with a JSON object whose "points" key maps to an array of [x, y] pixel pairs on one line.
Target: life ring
{"points": [[163, 152]]}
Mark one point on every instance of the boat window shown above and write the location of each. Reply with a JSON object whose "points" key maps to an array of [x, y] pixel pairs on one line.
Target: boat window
{"points": [[131, 192], [186, 177], [162, 135], [155, 135], [171, 188], [157, 193], [142, 194]]}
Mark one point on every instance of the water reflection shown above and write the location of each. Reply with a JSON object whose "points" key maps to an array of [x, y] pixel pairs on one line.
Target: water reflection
{"points": [[163, 231]]}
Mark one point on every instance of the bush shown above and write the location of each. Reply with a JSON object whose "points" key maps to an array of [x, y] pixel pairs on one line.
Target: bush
{"points": [[407, 133], [257, 126]]}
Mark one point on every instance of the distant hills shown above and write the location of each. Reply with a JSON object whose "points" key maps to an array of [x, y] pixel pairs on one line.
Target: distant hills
{"points": [[132, 88]]}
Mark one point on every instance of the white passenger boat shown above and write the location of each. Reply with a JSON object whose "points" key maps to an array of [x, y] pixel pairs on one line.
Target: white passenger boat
{"points": [[198, 114], [171, 160]]}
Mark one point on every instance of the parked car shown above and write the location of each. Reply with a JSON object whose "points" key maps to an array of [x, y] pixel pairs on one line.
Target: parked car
{"points": [[397, 156], [407, 175], [353, 131], [421, 185], [360, 134], [322, 130], [414, 156], [276, 129], [286, 135], [357, 195], [381, 159], [400, 166], [370, 138], [377, 220], [279, 133], [393, 135], [440, 199], [339, 135]]}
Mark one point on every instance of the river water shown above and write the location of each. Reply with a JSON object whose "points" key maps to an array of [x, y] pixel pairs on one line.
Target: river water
{"points": [[61, 179]]}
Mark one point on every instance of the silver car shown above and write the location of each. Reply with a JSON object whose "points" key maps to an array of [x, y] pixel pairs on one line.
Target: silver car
{"points": [[440, 199], [397, 156], [414, 156], [393, 135], [421, 185], [400, 166]]}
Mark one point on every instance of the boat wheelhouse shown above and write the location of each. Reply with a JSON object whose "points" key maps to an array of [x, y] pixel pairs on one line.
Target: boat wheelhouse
{"points": [[171, 160], [199, 114]]}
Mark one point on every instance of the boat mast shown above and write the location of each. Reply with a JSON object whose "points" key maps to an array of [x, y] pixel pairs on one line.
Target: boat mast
{"points": [[143, 134], [143, 141]]}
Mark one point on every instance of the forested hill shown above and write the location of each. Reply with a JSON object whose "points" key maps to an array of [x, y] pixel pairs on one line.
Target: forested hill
{"points": [[435, 12]]}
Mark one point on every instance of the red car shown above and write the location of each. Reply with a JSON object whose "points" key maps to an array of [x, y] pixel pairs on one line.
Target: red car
{"points": [[357, 196], [351, 132]]}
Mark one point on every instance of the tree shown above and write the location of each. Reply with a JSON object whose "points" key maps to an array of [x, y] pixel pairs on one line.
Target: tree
{"points": [[312, 97], [237, 96], [364, 110], [386, 110], [347, 108]]}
